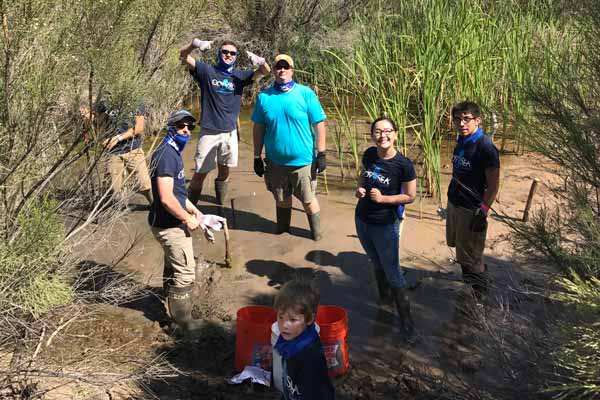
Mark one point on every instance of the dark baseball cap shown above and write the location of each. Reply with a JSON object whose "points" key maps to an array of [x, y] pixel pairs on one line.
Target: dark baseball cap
{"points": [[180, 115]]}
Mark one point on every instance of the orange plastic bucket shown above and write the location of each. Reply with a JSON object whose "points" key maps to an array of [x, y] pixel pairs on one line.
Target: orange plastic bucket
{"points": [[253, 337], [333, 321]]}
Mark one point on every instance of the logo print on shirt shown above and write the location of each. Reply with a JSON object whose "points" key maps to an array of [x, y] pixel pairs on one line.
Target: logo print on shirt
{"points": [[181, 174], [460, 162], [375, 176], [225, 86], [292, 389]]}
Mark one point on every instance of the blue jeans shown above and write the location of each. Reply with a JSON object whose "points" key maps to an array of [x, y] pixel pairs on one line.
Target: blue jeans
{"points": [[381, 243]]}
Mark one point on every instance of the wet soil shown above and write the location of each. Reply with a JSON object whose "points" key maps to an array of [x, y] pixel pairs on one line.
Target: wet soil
{"points": [[448, 351]]}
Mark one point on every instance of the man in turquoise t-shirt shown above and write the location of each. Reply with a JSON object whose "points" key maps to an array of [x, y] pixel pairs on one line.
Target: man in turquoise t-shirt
{"points": [[284, 117]]}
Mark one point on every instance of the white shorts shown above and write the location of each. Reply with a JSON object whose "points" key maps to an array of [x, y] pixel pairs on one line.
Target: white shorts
{"points": [[216, 147]]}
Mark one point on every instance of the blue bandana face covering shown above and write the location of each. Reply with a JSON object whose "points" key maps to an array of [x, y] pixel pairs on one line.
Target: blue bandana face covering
{"points": [[176, 140], [287, 348], [223, 66], [284, 87], [463, 141]]}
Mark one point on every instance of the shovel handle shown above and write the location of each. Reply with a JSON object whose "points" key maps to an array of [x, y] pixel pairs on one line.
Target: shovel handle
{"points": [[227, 256]]}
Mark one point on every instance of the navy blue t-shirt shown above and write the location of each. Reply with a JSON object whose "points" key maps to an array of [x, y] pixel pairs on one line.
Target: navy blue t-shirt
{"points": [[469, 162], [305, 375], [166, 161], [221, 95], [120, 122], [387, 176]]}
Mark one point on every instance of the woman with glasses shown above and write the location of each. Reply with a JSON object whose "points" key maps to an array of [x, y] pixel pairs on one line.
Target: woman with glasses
{"points": [[387, 183]]}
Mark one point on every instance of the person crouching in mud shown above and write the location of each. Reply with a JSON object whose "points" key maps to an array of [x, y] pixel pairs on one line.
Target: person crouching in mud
{"points": [[387, 181]]}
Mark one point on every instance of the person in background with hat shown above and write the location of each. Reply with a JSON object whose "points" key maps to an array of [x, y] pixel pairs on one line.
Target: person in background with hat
{"points": [[173, 217], [123, 145], [221, 87], [284, 117]]}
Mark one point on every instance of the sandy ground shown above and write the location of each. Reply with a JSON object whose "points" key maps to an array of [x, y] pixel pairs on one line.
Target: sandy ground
{"points": [[382, 366]]}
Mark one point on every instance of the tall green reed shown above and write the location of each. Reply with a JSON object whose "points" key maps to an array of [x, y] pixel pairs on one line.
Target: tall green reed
{"points": [[415, 59]]}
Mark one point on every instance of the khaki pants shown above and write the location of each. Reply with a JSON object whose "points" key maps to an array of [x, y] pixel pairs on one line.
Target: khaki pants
{"points": [[179, 254], [284, 181], [122, 166], [469, 245]]}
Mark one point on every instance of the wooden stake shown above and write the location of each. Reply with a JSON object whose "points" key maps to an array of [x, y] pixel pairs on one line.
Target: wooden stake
{"points": [[530, 199], [227, 255], [233, 213]]}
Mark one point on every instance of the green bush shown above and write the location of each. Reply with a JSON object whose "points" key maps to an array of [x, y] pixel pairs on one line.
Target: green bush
{"points": [[29, 261], [579, 358], [566, 232]]}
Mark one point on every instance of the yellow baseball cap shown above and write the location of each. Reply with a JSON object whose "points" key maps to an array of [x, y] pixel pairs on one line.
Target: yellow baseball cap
{"points": [[286, 58]]}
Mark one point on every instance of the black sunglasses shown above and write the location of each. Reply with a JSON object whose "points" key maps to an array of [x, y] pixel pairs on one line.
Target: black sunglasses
{"points": [[181, 125], [282, 66], [227, 52]]}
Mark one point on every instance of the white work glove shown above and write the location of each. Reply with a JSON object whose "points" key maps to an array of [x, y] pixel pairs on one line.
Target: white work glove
{"points": [[201, 44], [256, 60], [210, 223]]}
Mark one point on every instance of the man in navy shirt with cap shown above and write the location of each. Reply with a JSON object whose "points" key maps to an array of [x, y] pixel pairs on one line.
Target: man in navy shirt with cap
{"points": [[173, 217], [472, 190], [221, 87]]}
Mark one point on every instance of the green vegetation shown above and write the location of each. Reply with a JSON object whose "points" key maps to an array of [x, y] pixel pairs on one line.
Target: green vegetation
{"points": [[30, 262], [57, 56], [415, 59], [566, 233]]}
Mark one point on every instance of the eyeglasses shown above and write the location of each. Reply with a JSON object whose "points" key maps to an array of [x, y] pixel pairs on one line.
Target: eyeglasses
{"points": [[380, 132], [226, 52], [466, 120], [182, 125], [282, 66]]}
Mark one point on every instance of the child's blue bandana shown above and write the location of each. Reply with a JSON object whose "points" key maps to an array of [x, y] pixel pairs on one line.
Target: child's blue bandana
{"points": [[288, 348]]}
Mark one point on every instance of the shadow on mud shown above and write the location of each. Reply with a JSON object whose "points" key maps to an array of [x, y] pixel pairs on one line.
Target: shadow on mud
{"points": [[101, 283], [452, 324], [251, 222]]}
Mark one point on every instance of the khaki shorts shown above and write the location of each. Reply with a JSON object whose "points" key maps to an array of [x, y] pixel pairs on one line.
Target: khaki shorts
{"points": [[122, 167], [469, 245], [179, 254], [284, 181], [216, 148]]}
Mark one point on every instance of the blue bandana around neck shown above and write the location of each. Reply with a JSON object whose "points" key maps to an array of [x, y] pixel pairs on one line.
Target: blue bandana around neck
{"points": [[288, 348], [463, 141], [223, 66], [284, 87], [175, 140]]}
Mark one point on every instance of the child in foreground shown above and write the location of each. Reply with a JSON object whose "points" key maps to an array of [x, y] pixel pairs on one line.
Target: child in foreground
{"points": [[304, 369]]}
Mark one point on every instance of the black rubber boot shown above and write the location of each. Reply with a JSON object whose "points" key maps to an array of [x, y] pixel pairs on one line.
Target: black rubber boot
{"points": [[194, 195], [407, 326], [284, 218], [220, 191], [478, 281], [179, 304], [314, 221], [385, 291]]}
